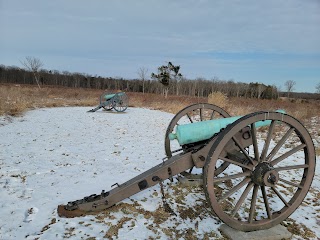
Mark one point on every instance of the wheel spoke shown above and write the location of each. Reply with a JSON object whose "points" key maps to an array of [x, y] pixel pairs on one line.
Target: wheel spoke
{"points": [[267, 142], [221, 179], [255, 142], [253, 203], [242, 149], [212, 115], [266, 203], [291, 167], [242, 198], [287, 154], [234, 189], [279, 144], [290, 183], [189, 117], [279, 195], [250, 167]]}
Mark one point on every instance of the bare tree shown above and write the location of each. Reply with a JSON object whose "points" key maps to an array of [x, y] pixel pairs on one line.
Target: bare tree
{"points": [[318, 88], [33, 65], [142, 72], [289, 85]]}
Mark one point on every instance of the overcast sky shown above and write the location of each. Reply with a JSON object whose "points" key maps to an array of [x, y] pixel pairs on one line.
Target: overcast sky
{"points": [[245, 40]]}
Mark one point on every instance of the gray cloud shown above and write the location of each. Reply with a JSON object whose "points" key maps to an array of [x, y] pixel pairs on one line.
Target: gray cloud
{"points": [[148, 32]]}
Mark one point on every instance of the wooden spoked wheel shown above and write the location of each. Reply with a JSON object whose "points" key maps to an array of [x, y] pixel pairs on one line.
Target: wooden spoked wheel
{"points": [[266, 185], [120, 102]]}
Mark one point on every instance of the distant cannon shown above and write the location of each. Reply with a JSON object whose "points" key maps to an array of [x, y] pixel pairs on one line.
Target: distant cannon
{"points": [[257, 169], [117, 101]]}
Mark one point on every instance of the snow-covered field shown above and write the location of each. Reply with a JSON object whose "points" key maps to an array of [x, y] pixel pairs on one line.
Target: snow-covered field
{"points": [[51, 156]]}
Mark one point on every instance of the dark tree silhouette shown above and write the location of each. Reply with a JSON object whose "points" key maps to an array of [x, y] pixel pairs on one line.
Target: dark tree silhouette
{"points": [[166, 73]]}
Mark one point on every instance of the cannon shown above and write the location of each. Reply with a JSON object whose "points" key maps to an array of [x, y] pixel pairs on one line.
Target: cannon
{"points": [[256, 169], [117, 101]]}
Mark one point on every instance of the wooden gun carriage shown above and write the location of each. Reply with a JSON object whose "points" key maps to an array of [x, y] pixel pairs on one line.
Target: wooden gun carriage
{"points": [[117, 101], [256, 169]]}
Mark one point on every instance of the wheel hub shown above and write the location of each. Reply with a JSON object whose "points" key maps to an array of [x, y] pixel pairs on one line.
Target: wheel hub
{"points": [[265, 175]]}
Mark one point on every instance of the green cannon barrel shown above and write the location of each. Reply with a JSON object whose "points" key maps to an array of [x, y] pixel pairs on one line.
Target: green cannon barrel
{"points": [[109, 96], [199, 131]]}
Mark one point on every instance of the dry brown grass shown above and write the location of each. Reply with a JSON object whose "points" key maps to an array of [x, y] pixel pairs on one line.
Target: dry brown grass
{"points": [[172, 104], [218, 98], [16, 99], [301, 111]]}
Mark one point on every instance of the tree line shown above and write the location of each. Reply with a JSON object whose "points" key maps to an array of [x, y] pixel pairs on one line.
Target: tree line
{"points": [[199, 87]]}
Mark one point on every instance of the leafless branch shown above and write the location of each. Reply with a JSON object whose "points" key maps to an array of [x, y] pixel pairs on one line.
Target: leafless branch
{"points": [[33, 64]]}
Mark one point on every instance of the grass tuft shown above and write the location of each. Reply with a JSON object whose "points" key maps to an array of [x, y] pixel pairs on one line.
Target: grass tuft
{"points": [[218, 98]]}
